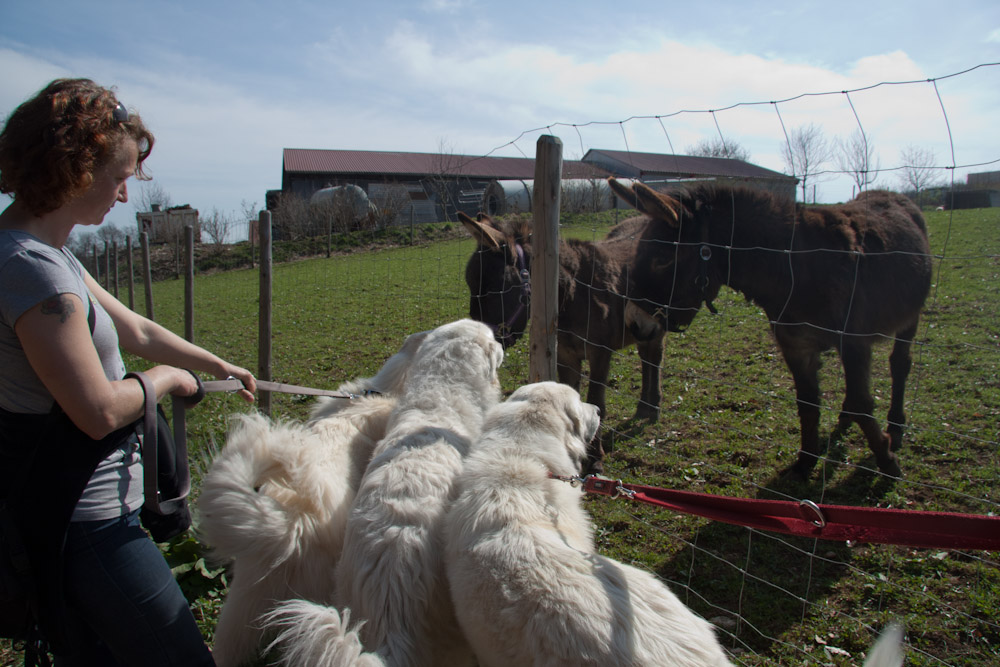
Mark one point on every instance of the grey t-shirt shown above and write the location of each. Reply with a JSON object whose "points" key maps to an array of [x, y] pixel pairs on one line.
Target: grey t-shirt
{"points": [[30, 272]]}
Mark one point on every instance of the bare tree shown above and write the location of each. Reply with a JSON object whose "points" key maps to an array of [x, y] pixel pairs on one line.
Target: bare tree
{"points": [[80, 241], [805, 152], [720, 147], [250, 213], [216, 225], [918, 172], [856, 157], [445, 176], [110, 233], [151, 193], [292, 217], [388, 203]]}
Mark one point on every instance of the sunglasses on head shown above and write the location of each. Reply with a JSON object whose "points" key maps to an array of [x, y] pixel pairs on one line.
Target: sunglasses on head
{"points": [[119, 114]]}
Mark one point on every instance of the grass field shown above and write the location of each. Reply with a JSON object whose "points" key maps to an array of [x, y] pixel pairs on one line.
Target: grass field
{"points": [[728, 426]]}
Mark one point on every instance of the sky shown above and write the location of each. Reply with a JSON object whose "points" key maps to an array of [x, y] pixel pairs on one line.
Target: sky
{"points": [[226, 85]]}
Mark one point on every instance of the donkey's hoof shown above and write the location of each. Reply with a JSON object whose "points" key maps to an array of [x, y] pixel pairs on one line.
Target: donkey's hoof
{"points": [[890, 467], [895, 436], [796, 473], [647, 413]]}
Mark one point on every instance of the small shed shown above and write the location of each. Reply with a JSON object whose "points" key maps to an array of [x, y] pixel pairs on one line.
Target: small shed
{"points": [[168, 226]]}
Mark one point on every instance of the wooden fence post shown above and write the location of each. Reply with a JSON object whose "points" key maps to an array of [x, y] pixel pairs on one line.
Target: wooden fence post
{"points": [[545, 258], [107, 266], [264, 358], [147, 274], [131, 273], [114, 263], [189, 283]]}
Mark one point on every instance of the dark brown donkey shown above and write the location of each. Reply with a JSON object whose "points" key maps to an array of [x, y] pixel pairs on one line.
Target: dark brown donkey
{"points": [[827, 277], [591, 316]]}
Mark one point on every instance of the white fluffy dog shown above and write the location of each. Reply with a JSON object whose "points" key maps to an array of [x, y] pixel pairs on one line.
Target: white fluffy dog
{"points": [[391, 573], [527, 585], [275, 501]]}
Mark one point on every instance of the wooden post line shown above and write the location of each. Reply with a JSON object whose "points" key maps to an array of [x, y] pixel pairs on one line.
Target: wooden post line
{"points": [[545, 259], [264, 358]]}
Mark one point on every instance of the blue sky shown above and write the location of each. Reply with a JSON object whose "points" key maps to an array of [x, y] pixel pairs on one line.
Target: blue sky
{"points": [[226, 85]]}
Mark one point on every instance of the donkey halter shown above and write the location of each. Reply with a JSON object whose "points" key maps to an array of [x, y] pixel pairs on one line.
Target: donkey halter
{"points": [[701, 282], [504, 331]]}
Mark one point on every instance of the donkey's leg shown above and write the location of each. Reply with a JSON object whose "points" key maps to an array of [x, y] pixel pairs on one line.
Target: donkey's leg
{"points": [[569, 364], [899, 368], [859, 404], [804, 363], [650, 356], [599, 359]]}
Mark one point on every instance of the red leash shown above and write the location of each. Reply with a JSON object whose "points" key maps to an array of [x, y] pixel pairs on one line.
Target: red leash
{"points": [[941, 530]]}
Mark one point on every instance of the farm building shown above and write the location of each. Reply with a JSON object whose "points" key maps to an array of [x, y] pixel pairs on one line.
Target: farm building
{"points": [[166, 226], [653, 167], [982, 191], [983, 179], [427, 187]]}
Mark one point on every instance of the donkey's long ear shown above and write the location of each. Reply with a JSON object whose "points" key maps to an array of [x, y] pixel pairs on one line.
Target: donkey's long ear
{"points": [[657, 205], [485, 234], [626, 194], [646, 200]]}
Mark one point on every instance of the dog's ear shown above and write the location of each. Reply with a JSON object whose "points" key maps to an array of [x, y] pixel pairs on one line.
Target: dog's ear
{"points": [[494, 352], [584, 417], [412, 342]]}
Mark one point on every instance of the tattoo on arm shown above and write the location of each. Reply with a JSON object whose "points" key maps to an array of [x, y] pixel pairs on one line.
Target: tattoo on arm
{"points": [[60, 305]]}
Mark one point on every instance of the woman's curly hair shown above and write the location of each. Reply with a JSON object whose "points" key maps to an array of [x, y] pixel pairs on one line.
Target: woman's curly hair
{"points": [[52, 144]]}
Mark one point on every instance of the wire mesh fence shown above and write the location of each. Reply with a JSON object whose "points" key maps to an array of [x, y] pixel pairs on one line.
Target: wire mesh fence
{"points": [[729, 418]]}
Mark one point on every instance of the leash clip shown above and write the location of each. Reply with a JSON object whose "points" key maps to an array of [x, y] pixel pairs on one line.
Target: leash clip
{"points": [[234, 390], [820, 520], [613, 488], [572, 481]]}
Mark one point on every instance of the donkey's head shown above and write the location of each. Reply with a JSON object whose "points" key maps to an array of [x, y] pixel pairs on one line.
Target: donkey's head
{"points": [[498, 276], [673, 273]]}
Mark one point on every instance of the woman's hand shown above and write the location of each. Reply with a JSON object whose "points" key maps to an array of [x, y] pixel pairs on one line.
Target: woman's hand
{"points": [[244, 376]]}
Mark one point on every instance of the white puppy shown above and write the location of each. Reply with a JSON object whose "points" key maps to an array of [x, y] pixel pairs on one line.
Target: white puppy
{"points": [[275, 501], [391, 574], [527, 585]]}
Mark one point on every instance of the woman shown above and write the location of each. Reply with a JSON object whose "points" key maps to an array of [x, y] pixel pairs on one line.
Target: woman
{"points": [[65, 157]]}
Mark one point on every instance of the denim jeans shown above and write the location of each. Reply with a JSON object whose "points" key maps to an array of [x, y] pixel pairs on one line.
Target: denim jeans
{"points": [[123, 593]]}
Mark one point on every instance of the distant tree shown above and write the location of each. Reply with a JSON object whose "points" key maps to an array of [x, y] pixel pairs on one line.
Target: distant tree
{"points": [[81, 242], [720, 147], [250, 212], [389, 205], [918, 172], [149, 193], [445, 176], [111, 234], [856, 157], [291, 218], [805, 152], [216, 226]]}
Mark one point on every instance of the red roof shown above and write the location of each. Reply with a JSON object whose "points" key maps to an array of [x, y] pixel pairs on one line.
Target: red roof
{"points": [[312, 160], [641, 164]]}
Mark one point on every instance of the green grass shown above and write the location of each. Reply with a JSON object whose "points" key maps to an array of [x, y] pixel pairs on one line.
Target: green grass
{"points": [[728, 426]]}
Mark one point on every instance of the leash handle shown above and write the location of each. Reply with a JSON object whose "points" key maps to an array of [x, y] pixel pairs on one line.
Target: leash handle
{"points": [[195, 398], [151, 454], [150, 467]]}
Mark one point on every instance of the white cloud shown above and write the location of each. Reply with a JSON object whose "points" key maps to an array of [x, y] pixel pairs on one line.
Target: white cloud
{"points": [[407, 87]]}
